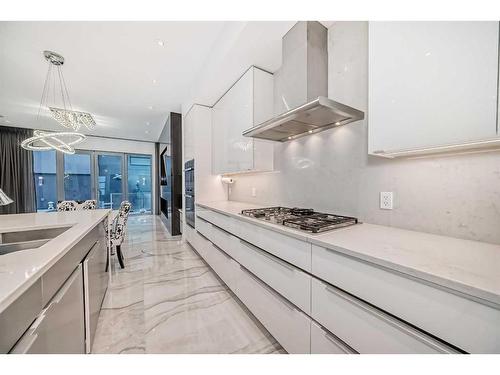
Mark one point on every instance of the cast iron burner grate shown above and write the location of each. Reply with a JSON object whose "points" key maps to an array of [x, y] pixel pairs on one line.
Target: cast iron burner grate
{"points": [[304, 219]]}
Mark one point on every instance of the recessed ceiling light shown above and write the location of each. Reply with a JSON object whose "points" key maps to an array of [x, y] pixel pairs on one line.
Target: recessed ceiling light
{"points": [[148, 123], [147, 132], [155, 81], [310, 131], [161, 43], [150, 107], [337, 123]]}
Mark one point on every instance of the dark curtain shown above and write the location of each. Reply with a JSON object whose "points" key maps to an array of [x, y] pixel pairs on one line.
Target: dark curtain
{"points": [[16, 171]]}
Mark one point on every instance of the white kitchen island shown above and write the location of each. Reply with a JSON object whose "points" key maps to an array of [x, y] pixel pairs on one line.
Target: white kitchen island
{"points": [[35, 282]]}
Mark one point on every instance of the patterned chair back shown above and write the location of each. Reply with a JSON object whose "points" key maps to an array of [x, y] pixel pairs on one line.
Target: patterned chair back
{"points": [[120, 224], [89, 204], [66, 206]]}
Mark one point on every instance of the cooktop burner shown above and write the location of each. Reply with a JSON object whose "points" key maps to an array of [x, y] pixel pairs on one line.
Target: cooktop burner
{"points": [[304, 219]]}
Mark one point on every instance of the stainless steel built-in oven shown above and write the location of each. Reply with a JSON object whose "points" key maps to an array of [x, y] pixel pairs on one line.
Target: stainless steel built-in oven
{"points": [[189, 192]]}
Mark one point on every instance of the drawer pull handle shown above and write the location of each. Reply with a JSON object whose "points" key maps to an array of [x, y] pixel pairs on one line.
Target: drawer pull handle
{"points": [[202, 235], [222, 251], [403, 328], [229, 234], [337, 342], [267, 255], [269, 289]]}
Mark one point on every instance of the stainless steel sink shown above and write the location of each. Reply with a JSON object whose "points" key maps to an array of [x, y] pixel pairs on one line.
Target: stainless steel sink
{"points": [[30, 239], [31, 235], [6, 248]]}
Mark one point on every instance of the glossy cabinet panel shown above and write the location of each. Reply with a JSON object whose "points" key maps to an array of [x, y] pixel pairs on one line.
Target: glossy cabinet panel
{"points": [[96, 284], [469, 325], [364, 328], [325, 342], [247, 103], [290, 326], [431, 84], [59, 328]]}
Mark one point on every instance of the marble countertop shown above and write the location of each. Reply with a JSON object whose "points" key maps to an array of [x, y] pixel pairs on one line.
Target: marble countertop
{"points": [[470, 267], [19, 270]]}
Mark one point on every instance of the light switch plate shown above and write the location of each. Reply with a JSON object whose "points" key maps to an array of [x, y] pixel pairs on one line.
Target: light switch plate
{"points": [[386, 200], [254, 192]]}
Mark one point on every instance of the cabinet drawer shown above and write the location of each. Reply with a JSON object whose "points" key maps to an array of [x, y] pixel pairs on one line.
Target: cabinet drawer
{"points": [[469, 325], [223, 265], [324, 342], [199, 243], [59, 328], [285, 247], [226, 241], [289, 281], [364, 328], [19, 315], [287, 324], [204, 227], [223, 221]]}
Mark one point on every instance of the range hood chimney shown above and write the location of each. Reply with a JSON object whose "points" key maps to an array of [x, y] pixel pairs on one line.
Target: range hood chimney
{"points": [[301, 89]]}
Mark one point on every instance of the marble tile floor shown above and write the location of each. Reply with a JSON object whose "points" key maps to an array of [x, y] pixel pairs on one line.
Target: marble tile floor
{"points": [[168, 300]]}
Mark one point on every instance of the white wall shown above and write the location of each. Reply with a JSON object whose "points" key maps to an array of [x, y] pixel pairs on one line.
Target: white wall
{"points": [[331, 171], [241, 44]]}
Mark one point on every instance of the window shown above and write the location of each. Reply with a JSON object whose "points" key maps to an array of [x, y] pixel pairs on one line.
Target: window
{"points": [[109, 180], [77, 177], [117, 177], [139, 182], [45, 172]]}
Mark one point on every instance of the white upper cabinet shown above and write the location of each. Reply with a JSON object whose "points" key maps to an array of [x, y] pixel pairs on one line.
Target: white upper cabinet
{"points": [[431, 84], [247, 103], [188, 136]]}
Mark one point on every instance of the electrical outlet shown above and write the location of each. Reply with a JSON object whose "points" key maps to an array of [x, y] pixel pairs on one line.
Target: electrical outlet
{"points": [[230, 190], [254, 192], [386, 200]]}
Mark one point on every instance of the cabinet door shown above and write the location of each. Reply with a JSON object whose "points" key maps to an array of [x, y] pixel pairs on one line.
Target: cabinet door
{"points": [[188, 135], [59, 329], [431, 84], [233, 114], [96, 284]]}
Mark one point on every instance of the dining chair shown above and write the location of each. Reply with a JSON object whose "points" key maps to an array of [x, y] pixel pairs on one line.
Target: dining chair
{"points": [[89, 204], [67, 206], [118, 229]]}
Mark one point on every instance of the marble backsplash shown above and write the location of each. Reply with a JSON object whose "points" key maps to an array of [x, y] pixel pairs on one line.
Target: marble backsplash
{"points": [[453, 195]]}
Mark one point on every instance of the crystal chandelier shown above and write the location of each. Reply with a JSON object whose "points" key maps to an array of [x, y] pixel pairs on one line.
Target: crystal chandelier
{"points": [[54, 82], [59, 141]]}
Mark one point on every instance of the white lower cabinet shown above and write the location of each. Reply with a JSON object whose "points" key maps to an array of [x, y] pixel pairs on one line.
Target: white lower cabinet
{"points": [[365, 328], [284, 321], [325, 342], [283, 277], [469, 325], [223, 265]]}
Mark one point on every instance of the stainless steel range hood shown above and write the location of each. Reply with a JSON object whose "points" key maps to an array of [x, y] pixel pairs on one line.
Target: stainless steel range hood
{"points": [[302, 84], [315, 116]]}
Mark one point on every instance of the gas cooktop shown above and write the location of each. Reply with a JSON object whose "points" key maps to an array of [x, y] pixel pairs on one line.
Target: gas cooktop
{"points": [[304, 219]]}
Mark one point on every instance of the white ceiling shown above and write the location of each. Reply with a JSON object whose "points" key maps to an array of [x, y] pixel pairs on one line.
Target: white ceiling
{"points": [[110, 68], [109, 71]]}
